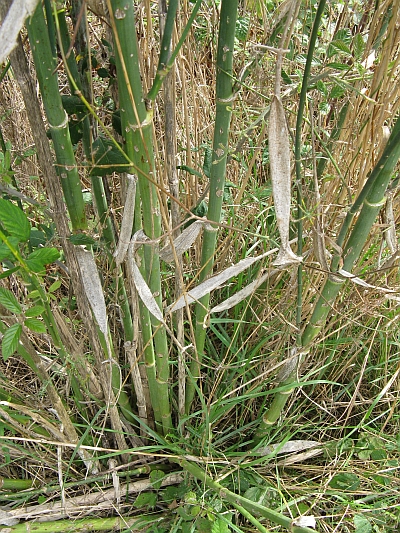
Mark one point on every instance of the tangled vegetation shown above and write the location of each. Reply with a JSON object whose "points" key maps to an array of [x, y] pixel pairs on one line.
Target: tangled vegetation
{"points": [[199, 266]]}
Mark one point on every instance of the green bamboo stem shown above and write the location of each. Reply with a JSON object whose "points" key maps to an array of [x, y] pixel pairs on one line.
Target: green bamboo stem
{"points": [[280, 399], [297, 150], [136, 122], [224, 103], [16, 484], [117, 523], [166, 61], [238, 500], [51, 26], [76, 86], [57, 118], [370, 200]]}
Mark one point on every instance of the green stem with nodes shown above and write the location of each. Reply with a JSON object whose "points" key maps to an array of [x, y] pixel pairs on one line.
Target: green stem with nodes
{"points": [[369, 202], [166, 60], [280, 398], [136, 120], [224, 103], [57, 118]]}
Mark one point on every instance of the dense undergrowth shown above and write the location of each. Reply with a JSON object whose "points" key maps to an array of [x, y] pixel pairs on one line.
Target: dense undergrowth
{"points": [[275, 410]]}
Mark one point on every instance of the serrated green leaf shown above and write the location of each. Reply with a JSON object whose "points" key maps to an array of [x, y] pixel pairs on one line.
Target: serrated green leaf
{"points": [[46, 256], [362, 524], [322, 88], [35, 265], [9, 301], [155, 477], [220, 526], [358, 45], [5, 252], [345, 482], [35, 325], [338, 66], [73, 104], [37, 238], [34, 311], [37, 260], [34, 294], [341, 46], [146, 500], [10, 340], [14, 220], [337, 92]]}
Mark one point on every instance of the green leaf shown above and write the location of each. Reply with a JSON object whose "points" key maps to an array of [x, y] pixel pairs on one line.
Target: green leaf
{"points": [[45, 255], [207, 162], [9, 301], [5, 252], [358, 46], [81, 239], [337, 92], [260, 495], [203, 525], [338, 66], [146, 500], [220, 526], [73, 104], [362, 524], [339, 46], [103, 73], [10, 340], [345, 482], [37, 260], [155, 477], [37, 238], [34, 311], [190, 170], [107, 155], [322, 88], [54, 286], [242, 28], [7, 273], [14, 220], [35, 325]]}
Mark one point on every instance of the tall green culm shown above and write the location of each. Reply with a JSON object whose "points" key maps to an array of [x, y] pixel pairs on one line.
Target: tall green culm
{"points": [[136, 121], [57, 117], [224, 102]]}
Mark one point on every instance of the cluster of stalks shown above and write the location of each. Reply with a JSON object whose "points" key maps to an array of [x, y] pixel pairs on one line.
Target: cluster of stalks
{"points": [[162, 344]]}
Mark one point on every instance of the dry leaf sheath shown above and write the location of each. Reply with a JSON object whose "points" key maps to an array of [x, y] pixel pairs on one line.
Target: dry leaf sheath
{"points": [[279, 154]]}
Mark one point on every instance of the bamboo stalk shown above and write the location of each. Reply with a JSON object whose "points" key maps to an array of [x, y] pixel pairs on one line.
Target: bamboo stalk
{"points": [[370, 200], [57, 117], [136, 122], [224, 103]]}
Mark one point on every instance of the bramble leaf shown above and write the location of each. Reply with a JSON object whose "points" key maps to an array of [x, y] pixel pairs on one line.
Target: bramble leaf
{"points": [[9, 301], [10, 340]]}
